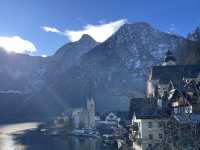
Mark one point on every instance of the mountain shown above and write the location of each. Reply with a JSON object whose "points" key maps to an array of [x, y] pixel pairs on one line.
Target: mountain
{"points": [[20, 76], [20, 72], [118, 68], [69, 54], [50, 98]]}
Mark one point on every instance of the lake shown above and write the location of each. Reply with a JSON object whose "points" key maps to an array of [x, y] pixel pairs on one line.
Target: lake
{"points": [[23, 137]]}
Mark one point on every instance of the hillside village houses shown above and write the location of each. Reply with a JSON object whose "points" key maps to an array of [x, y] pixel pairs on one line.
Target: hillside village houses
{"points": [[110, 119], [171, 112], [85, 121]]}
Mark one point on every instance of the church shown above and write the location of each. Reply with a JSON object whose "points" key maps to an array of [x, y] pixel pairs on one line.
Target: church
{"points": [[84, 117]]}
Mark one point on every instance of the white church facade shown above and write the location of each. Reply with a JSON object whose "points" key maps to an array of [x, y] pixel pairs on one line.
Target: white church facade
{"points": [[84, 117]]}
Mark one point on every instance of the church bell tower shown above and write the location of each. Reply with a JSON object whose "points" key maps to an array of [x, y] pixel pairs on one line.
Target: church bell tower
{"points": [[91, 107], [169, 59]]}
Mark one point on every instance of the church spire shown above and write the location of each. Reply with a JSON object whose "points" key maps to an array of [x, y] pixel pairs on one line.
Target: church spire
{"points": [[90, 89], [169, 59]]}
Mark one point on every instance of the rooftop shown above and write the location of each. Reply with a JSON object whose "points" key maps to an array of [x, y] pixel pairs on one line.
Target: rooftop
{"points": [[187, 118], [169, 56], [174, 72], [143, 109]]}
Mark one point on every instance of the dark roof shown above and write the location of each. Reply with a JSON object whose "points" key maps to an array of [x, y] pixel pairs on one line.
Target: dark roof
{"points": [[169, 53], [137, 105], [173, 94], [169, 56], [174, 72], [143, 109], [151, 113], [121, 114], [187, 118]]}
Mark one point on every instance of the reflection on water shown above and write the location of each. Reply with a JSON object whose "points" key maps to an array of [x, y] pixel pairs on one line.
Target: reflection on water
{"points": [[7, 141], [16, 137]]}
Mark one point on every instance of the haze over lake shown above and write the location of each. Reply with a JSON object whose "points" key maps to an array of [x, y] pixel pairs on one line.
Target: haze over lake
{"points": [[17, 137]]}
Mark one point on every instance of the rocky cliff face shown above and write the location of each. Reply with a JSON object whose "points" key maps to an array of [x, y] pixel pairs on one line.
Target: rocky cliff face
{"points": [[121, 64], [69, 54], [20, 76], [20, 72], [118, 68]]}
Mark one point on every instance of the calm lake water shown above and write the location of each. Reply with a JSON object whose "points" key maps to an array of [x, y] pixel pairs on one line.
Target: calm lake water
{"points": [[19, 137]]}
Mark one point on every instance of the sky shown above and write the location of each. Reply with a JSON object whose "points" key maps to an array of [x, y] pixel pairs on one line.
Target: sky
{"points": [[40, 27]]}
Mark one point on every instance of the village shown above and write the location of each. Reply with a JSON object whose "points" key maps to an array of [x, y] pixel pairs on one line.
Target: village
{"points": [[167, 118]]}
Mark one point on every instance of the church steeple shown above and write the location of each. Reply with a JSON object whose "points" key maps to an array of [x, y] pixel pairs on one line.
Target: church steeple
{"points": [[90, 89], [169, 59], [91, 106], [90, 99]]}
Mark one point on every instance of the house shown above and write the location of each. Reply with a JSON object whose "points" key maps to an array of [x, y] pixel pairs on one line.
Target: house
{"points": [[148, 124], [172, 106], [181, 81], [161, 77], [179, 103], [148, 131], [113, 119]]}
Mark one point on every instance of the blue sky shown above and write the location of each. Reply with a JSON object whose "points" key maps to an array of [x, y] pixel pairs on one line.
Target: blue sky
{"points": [[25, 19]]}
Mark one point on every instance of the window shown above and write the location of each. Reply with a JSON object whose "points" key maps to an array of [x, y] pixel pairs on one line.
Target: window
{"points": [[150, 124], [139, 135], [160, 136], [160, 123], [165, 132], [188, 109], [150, 147], [175, 110], [150, 136]]}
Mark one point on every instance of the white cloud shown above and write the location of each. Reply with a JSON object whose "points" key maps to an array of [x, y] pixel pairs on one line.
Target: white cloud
{"points": [[44, 55], [50, 29], [99, 32], [17, 44]]}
